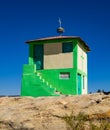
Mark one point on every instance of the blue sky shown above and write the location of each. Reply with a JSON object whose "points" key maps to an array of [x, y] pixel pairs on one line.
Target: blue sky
{"points": [[22, 20]]}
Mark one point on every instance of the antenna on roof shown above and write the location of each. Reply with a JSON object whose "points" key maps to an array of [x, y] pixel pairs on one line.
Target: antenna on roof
{"points": [[59, 20], [60, 30]]}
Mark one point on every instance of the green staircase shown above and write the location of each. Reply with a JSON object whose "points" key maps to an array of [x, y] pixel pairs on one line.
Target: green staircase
{"points": [[47, 86], [35, 85]]}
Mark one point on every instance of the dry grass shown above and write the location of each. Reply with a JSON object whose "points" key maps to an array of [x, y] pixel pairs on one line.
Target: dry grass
{"points": [[82, 122]]}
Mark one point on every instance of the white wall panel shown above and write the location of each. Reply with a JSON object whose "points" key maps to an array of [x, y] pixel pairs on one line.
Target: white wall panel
{"points": [[82, 60]]}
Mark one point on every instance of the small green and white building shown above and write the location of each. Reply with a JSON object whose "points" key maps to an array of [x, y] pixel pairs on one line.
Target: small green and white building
{"points": [[57, 65]]}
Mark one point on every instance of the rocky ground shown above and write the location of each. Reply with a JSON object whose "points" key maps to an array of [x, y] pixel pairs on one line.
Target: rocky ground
{"points": [[46, 113]]}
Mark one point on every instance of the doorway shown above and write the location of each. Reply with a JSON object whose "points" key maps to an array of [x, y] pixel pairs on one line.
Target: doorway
{"points": [[38, 56], [79, 84]]}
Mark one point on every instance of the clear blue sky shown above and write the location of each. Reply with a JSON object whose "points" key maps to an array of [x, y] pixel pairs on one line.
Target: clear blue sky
{"points": [[22, 20]]}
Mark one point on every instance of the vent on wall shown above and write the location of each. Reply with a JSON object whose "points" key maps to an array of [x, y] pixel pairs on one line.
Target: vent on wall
{"points": [[64, 75]]}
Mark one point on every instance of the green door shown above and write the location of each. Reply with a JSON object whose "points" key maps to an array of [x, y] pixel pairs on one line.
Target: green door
{"points": [[38, 56], [79, 84]]}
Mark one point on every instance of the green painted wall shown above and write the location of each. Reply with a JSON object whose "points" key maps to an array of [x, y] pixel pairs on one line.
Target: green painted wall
{"points": [[32, 84], [65, 86], [48, 82]]}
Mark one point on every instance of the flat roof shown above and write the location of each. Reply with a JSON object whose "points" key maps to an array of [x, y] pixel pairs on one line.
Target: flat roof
{"points": [[59, 38]]}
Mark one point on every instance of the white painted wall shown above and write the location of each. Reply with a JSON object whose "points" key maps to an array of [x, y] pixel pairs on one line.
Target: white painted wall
{"points": [[82, 60], [82, 66], [85, 89]]}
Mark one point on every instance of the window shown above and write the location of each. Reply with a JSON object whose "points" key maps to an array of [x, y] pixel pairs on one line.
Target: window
{"points": [[64, 75], [67, 47]]}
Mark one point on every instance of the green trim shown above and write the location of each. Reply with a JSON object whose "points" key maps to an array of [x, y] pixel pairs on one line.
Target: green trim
{"points": [[75, 62], [75, 54]]}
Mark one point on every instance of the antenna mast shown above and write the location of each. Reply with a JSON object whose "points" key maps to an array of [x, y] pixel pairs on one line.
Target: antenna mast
{"points": [[60, 29]]}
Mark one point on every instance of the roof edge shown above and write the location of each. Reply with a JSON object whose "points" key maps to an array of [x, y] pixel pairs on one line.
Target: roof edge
{"points": [[59, 37], [52, 38]]}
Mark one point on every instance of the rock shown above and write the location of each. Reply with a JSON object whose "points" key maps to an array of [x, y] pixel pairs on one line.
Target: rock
{"points": [[46, 113]]}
